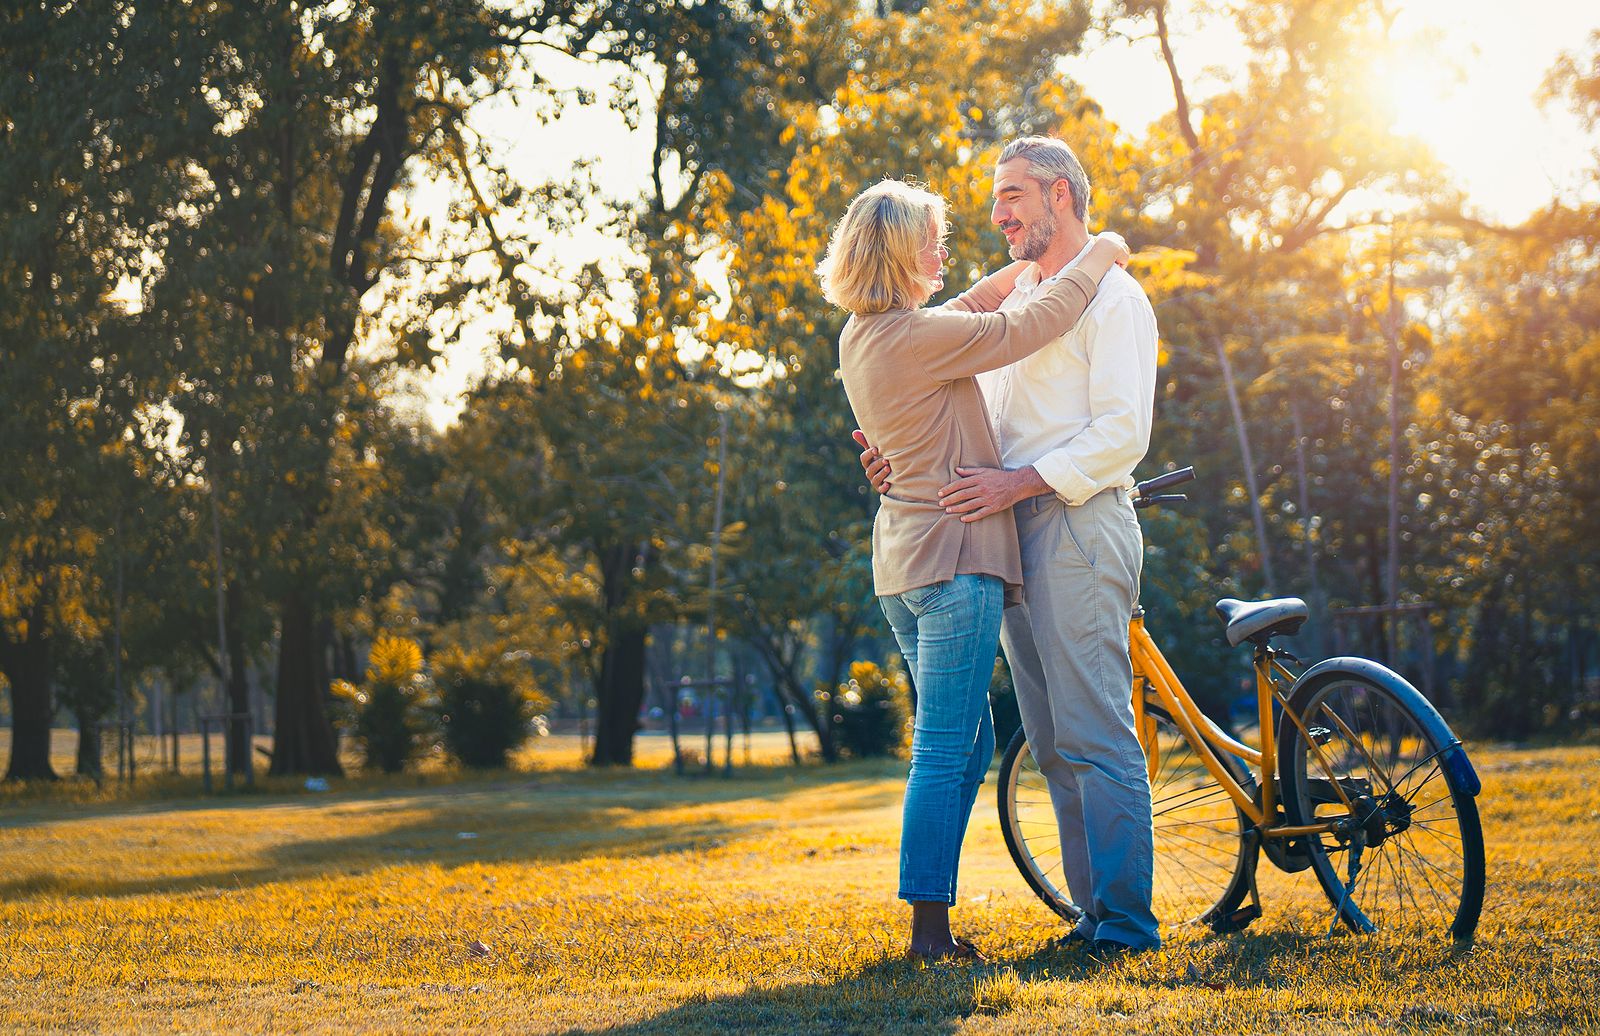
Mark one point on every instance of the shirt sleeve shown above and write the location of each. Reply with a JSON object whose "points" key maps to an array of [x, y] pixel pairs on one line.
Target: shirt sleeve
{"points": [[954, 344], [1122, 388]]}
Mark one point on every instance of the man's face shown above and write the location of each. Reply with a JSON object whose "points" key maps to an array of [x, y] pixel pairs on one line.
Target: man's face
{"points": [[1021, 210]]}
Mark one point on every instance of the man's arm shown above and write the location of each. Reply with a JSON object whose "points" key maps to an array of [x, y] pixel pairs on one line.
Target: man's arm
{"points": [[981, 492], [1122, 368], [1122, 387]]}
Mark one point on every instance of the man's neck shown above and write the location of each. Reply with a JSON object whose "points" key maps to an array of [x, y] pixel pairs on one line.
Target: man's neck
{"points": [[1064, 248]]}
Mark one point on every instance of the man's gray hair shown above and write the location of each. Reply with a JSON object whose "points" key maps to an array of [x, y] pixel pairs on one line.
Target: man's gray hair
{"points": [[1050, 160]]}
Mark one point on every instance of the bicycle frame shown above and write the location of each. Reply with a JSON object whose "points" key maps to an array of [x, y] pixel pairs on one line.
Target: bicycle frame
{"points": [[1151, 668]]}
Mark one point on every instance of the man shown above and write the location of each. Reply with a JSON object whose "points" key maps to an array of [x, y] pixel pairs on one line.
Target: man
{"points": [[1073, 420]]}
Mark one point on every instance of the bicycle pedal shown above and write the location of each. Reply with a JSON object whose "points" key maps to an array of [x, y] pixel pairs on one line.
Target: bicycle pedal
{"points": [[1237, 921]]}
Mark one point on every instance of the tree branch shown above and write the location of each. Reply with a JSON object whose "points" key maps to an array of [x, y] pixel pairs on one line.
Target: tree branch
{"points": [[1312, 225], [1180, 98]]}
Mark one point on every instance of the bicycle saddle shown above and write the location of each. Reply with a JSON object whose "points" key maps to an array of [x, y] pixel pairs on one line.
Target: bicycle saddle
{"points": [[1259, 621]]}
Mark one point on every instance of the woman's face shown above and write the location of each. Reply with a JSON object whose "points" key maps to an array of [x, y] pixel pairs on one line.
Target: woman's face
{"points": [[931, 260]]}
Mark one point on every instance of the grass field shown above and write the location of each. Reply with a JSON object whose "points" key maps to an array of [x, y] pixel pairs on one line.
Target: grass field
{"points": [[555, 900], [152, 758]]}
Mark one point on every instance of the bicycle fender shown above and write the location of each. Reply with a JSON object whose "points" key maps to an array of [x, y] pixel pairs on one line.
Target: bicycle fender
{"points": [[1452, 757]]}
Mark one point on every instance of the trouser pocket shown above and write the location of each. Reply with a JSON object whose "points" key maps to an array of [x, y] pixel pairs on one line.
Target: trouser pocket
{"points": [[1081, 533]]}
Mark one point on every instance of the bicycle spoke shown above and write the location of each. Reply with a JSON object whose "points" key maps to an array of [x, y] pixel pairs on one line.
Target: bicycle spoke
{"points": [[1422, 859], [1192, 801], [1445, 798], [1440, 837], [1433, 889], [1420, 872]]}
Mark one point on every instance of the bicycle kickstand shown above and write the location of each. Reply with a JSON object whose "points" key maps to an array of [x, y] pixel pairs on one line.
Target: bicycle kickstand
{"points": [[1238, 920], [1358, 842]]}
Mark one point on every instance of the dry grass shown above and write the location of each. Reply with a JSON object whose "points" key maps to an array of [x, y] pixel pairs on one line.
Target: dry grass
{"points": [[563, 901]]}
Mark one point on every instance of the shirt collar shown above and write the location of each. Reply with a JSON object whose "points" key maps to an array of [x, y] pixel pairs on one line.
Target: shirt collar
{"points": [[1028, 279]]}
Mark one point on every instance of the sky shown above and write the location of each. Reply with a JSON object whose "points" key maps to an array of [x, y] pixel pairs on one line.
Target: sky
{"points": [[1471, 96], [1473, 103]]}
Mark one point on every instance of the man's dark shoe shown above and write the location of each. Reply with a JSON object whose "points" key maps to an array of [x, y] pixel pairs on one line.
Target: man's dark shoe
{"points": [[1073, 942], [1107, 950]]}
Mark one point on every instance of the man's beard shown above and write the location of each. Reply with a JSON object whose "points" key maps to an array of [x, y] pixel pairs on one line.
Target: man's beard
{"points": [[1036, 241]]}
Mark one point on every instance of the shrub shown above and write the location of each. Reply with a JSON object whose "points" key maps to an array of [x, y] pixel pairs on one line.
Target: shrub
{"points": [[485, 707], [872, 712], [390, 716]]}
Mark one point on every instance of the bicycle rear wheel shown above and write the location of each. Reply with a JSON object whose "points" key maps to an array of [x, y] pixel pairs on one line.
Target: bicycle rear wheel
{"points": [[1410, 827], [1202, 857]]}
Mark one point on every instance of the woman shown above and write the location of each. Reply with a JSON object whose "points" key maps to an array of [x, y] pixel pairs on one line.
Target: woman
{"points": [[942, 583]]}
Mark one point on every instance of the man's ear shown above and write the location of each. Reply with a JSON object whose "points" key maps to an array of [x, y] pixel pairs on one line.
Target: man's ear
{"points": [[1061, 191]]}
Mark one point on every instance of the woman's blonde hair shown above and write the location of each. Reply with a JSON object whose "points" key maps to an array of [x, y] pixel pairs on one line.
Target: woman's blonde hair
{"points": [[871, 263]]}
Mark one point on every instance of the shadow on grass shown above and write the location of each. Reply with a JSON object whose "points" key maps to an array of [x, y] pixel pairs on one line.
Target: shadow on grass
{"points": [[538, 818], [25, 805], [894, 995], [888, 995]]}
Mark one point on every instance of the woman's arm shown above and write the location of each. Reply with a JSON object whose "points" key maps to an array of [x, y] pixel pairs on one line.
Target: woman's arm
{"points": [[985, 296], [955, 344], [1109, 250], [988, 293]]}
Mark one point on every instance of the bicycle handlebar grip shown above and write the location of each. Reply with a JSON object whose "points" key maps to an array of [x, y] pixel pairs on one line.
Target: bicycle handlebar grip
{"points": [[1160, 482], [1164, 498]]}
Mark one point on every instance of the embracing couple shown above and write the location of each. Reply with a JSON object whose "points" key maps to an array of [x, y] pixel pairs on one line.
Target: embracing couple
{"points": [[1003, 428]]}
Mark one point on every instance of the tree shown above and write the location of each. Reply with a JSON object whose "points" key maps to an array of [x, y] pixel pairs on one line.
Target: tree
{"points": [[90, 171], [606, 410], [315, 118], [920, 91]]}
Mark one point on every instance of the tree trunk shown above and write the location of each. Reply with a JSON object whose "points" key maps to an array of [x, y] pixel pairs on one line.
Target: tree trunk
{"points": [[788, 727], [619, 685], [303, 741], [619, 692], [27, 665], [793, 694], [1245, 455], [1318, 606], [238, 726], [818, 719], [90, 761]]}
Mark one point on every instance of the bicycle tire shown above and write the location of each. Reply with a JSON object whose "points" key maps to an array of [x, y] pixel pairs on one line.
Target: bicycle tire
{"points": [[1203, 857], [1381, 743]]}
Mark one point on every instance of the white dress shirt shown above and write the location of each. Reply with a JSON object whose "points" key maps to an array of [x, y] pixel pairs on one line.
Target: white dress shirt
{"points": [[1079, 410]]}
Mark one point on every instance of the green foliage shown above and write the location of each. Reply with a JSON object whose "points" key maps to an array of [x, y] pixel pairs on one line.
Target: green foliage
{"points": [[485, 709], [210, 283], [392, 719], [872, 712]]}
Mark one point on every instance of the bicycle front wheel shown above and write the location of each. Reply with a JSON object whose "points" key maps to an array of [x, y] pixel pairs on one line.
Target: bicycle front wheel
{"points": [[1376, 761], [1201, 853]]}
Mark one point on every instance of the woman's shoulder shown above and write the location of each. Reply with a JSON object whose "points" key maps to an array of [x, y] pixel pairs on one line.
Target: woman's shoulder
{"points": [[874, 326]]}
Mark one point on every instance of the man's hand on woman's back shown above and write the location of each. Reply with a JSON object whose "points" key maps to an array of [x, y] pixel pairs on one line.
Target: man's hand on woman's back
{"points": [[872, 462]]}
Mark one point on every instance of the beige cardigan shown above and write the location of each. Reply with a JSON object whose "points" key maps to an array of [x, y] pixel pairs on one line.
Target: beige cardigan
{"points": [[909, 376]]}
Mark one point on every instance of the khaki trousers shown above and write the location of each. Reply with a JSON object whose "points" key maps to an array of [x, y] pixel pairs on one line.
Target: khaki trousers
{"points": [[1067, 646]]}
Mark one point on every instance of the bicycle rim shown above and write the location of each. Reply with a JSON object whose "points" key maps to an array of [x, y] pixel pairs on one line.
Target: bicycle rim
{"points": [[1198, 832], [1028, 824], [1420, 844]]}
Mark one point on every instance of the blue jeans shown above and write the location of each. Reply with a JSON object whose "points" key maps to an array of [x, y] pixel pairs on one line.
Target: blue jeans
{"points": [[948, 633]]}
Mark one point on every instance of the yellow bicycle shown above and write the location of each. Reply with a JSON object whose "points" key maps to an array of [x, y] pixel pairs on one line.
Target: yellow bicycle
{"points": [[1356, 777]]}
